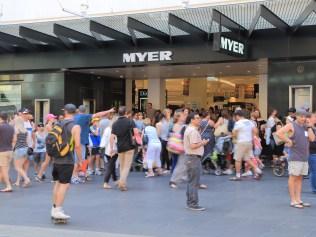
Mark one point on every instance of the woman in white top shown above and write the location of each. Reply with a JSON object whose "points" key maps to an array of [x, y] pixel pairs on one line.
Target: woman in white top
{"points": [[153, 148], [110, 156]]}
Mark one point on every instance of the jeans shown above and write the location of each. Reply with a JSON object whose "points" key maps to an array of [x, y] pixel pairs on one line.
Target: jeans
{"points": [[174, 159], [312, 167], [110, 169], [194, 168], [165, 161]]}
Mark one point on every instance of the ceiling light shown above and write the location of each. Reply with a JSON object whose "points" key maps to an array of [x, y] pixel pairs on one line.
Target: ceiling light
{"points": [[212, 79], [117, 71], [121, 76], [228, 66], [249, 71], [92, 72]]}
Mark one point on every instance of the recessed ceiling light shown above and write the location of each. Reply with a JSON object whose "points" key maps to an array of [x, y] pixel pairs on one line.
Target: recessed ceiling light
{"points": [[249, 71], [121, 76], [228, 66], [117, 71], [92, 72]]}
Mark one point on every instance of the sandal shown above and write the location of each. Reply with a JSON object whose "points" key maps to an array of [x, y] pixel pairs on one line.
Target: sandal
{"points": [[235, 179], [6, 190], [305, 204], [26, 184], [148, 175], [16, 185], [202, 186], [297, 205]]}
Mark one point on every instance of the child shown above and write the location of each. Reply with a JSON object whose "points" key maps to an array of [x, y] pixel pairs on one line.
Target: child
{"points": [[40, 147], [94, 145]]}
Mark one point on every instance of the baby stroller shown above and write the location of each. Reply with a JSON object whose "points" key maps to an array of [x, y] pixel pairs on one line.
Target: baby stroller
{"points": [[280, 166], [216, 160]]}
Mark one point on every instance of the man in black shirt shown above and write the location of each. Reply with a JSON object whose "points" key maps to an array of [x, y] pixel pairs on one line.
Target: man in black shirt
{"points": [[124, 129], [63, 166]]}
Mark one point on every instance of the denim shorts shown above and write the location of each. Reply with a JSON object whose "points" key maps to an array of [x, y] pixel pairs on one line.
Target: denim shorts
{"points": [[20, 153]]}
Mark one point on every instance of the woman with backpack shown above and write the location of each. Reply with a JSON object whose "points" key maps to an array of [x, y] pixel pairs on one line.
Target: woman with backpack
{"points": [[20, 151]]}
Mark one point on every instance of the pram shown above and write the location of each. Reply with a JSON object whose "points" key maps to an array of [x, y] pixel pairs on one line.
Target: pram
{"points": [[216, 160]]}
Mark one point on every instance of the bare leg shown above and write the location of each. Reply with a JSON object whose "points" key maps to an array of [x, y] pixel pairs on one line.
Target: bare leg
{"points": [[292, 187], [60, 194], [5, 177], [298, 188]]}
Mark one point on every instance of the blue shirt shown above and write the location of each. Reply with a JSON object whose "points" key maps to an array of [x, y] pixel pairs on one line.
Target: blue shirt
{"points": [[83, 120]]}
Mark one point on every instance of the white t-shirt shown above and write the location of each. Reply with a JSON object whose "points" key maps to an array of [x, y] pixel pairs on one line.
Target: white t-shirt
{"points": [[28, 126], [244, 129], [105, 141]]}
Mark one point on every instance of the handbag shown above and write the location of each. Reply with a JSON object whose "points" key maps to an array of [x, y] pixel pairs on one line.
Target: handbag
{"points": [[145, 138], [175, 144], [221, 130]]}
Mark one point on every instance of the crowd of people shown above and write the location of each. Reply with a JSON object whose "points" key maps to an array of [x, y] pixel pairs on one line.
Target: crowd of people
{"points": [[181, 143]]}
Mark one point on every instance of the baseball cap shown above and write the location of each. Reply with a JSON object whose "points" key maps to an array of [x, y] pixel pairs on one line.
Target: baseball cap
{"points": [[50, 116], [25, 111], [70, 108]]}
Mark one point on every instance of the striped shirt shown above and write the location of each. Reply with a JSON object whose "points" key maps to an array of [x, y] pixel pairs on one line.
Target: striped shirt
{"points": [[21, 141]]}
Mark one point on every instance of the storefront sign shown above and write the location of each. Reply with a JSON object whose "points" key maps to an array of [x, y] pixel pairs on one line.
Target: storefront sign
{"points": [[155, 56], [228, 45]]}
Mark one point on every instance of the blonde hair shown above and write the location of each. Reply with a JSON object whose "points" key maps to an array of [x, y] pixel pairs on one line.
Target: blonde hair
{"points": [[147, 121], [19, 125]]}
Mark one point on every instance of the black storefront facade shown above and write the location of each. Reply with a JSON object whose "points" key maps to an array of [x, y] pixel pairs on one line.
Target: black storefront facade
{"points": [[48, 71]]}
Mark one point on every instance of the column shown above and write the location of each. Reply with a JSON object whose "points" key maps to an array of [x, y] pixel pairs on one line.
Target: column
{"points": [[129, 94], [263, 95], [157, 92]]}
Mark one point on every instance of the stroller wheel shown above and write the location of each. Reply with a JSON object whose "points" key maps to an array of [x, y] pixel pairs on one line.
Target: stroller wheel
{"points": [[278, 170], [218, 172]]}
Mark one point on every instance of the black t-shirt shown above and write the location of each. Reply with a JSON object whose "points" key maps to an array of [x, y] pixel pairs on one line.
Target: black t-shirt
{"points": [[6, 137], [123, 129], [312, 145]]}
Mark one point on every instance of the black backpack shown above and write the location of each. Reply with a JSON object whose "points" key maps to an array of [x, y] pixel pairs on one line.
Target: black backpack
{"points": [[57, 144]]}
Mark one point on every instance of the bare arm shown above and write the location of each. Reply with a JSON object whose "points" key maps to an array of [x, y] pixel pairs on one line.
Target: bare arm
{"points": [[103, 113], [219, 122], [112, 137], [194, 146], [14, 139], [311, 134], [76, 135], [283, 131]]}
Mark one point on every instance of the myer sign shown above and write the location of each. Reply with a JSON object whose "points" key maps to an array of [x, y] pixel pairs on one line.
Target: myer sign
{"points": [[139, 57], [228, 45]]}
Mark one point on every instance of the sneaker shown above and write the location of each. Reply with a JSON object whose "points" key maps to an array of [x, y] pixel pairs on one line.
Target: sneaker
{"points": [[58, 213], [38, 179], [196, 208], [90, 172], [174, 186], [246, 174], [98, 173], [43, 177], [75, 180], [228, 172]]}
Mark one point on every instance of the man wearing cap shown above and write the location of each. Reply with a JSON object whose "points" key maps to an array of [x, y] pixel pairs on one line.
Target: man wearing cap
{"points": [[301, 134], [63, 166], [244, 132], [83, 120]]}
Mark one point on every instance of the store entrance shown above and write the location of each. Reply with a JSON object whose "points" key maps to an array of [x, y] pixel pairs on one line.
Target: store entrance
{"points": [[221, 85]]}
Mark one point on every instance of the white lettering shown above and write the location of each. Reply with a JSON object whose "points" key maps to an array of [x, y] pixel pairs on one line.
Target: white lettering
{"points": [[224, 42], [129, 58], [232, 45], [147, 56], [165, 55], [241, 49], [141, 56], [153, 56], [236, 47]]}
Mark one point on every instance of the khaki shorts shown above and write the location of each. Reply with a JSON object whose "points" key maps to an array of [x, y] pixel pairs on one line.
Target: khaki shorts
{"points": [[5, 158], [298, 168], [243, 151]]}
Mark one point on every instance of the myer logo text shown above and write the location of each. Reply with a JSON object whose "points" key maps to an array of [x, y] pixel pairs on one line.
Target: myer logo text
{"points": [[232, 46], [155, 56]]}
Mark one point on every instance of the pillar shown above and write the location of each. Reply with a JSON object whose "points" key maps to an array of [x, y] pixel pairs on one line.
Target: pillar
{"points": [[157, 92], [263, 95], [129, 94]]}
